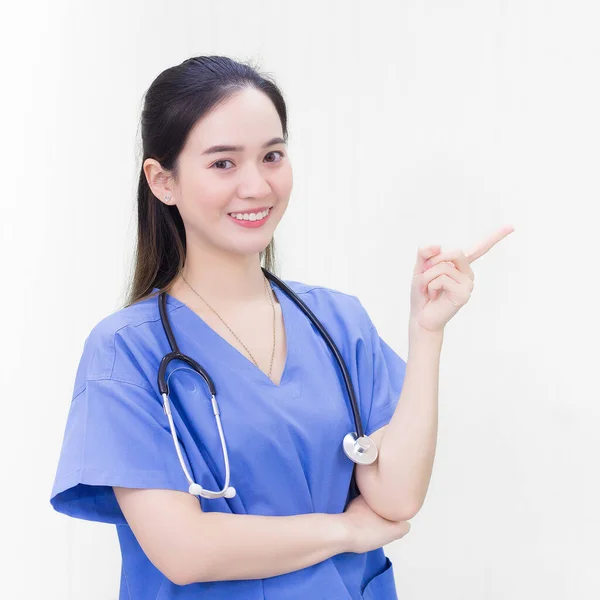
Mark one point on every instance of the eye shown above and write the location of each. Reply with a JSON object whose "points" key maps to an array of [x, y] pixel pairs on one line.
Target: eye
{"points": [[276, 152], [228, 161]]}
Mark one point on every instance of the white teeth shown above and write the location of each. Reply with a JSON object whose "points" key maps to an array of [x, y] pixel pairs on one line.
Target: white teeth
{"points": [[250, 216]]}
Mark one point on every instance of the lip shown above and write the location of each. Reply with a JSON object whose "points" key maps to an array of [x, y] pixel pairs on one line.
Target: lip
{"points": [[253, 210]]}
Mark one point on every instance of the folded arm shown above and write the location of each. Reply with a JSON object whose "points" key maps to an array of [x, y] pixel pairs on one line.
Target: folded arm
{"points": [[395, 485]]}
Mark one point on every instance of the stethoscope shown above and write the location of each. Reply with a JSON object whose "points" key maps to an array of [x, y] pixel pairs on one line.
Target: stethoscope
{"points": [[358, 447]]}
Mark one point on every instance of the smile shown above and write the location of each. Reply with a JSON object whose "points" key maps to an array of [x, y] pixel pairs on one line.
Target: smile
{"points": [[251, 220]]}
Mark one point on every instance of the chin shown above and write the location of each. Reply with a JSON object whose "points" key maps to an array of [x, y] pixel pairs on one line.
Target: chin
{"points": [[248, 248]]}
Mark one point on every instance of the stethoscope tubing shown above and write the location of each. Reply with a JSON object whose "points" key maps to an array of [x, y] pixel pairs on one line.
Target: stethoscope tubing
{"points": [[175, 354], [357, 446]]}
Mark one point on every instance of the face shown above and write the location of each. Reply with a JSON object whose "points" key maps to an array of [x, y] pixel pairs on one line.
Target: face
{"points": [[215, 183]]}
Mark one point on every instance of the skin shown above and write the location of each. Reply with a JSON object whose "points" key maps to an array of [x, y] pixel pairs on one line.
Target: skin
{"points": [[443, 282], [222, 260]]}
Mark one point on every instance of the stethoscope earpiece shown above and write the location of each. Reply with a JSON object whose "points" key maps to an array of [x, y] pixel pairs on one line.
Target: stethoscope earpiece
{"points": [[197, 490]]}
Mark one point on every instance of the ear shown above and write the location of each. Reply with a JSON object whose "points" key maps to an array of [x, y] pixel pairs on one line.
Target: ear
{"points": [[159, 181]]}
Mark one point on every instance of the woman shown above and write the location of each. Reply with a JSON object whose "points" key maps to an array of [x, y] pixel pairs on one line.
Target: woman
{"points": [[206, 219]]}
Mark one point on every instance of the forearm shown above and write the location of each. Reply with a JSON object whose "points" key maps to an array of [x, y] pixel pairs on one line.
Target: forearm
{"points": [[222, 546], [407, 448]]}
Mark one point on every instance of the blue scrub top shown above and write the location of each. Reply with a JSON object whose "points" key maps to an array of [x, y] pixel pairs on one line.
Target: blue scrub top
{"points": [[284, 441]]}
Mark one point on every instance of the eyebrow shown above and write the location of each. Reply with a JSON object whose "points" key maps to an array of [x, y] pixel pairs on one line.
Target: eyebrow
{"points": [[223, 148]]}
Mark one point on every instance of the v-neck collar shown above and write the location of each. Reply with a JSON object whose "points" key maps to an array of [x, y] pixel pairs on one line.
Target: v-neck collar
{"points": [[192, 322]]}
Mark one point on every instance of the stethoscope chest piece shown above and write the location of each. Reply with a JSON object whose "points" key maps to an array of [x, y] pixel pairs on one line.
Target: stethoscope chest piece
{"points": [[361, 450]]}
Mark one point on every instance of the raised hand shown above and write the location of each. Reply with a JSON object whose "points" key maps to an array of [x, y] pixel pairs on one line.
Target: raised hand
{"points": [[443, 281]]}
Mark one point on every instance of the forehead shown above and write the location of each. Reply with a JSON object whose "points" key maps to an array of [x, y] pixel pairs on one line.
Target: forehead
{"points": [[248, 118]]}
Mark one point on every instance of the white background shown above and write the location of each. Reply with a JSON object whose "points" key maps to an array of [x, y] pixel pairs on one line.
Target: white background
{"points": [[410, 123]]}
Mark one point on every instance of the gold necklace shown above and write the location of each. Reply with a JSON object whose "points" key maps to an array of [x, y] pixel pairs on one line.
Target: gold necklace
{"points": [[269, 292]]}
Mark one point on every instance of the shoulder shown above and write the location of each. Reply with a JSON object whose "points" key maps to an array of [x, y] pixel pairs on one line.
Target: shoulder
{"points": [[123, 321], [114, 345], [321, 293], [332, 304]]}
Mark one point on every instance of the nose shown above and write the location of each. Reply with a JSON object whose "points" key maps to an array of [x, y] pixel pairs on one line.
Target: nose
{"points": [[253, 184]]}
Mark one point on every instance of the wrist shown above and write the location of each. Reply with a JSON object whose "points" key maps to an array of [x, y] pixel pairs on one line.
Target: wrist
{"points": [[418, 333]]}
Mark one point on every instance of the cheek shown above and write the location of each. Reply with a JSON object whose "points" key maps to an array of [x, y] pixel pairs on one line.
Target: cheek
{"points": [[203, 211], [212, 201], [283, 183]]}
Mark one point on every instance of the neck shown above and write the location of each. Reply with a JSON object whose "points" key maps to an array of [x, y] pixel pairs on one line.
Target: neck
{"points": [[223, 280]]}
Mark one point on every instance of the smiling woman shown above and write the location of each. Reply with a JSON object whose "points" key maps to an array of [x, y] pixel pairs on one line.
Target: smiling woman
{"points": [[215, 181], [249, 175]]}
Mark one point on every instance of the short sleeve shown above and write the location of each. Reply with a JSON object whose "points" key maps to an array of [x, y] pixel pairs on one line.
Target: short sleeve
{"points": [[116, 434], [386, 370]]}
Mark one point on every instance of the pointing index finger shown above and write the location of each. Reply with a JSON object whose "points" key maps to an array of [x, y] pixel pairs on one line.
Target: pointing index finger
{"points": [[482, 247]]}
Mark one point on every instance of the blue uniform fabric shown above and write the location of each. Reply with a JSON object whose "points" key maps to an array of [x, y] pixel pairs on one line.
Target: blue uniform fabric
{"points": [[284, 441]]}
